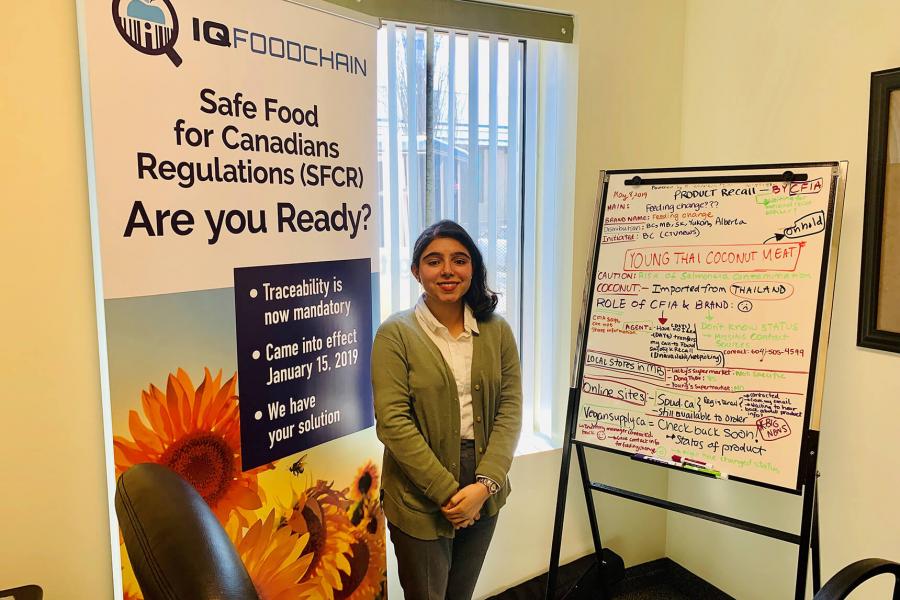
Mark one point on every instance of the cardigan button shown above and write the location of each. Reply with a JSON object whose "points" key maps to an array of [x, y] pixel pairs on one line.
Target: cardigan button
{"points": [[480, 449], [477, 386], [478, 419]]}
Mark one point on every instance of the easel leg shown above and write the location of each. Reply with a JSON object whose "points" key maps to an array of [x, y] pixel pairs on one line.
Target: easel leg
{"points": [[558, 522], [803, 553], [556, 543], [809, 517], [816, 558], [592, 517]]}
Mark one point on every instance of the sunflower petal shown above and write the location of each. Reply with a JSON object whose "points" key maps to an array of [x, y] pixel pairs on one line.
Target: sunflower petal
{"points": [[213, 404], [284, 546], [129, 455], [216, 406], [160, 414], [303, 564], [146, 438], [122, 463], [226, 419], [174, 396], [313, 589], [217, 382], [233, 529], [342, 563], [201, 400], [253, 535], [153, 410], [185, 380], [244, 497]]}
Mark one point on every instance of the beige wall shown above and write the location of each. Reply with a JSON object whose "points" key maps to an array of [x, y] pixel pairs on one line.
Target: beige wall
{"points": [[55, 527], [772, 81]]}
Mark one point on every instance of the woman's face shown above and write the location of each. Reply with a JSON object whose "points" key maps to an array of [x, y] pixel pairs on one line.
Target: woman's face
{"points": [[444, 270]]}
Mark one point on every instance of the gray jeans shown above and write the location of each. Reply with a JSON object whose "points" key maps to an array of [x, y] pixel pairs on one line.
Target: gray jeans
{"points": [[445, 568]]}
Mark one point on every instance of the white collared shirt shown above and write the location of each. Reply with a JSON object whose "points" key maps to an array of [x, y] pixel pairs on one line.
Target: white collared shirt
{"points": [[457, 353]]}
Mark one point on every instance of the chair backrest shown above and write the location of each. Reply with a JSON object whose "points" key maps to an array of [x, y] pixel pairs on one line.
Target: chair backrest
{"points": [[26, 592], [177, 547], [853, 575]]}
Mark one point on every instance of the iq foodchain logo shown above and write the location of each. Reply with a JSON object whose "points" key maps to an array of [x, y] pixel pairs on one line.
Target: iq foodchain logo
{"points": [[151, 27]]}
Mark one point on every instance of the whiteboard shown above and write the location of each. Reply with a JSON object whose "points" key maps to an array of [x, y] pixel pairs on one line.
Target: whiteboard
{"points": [[706, 317]]}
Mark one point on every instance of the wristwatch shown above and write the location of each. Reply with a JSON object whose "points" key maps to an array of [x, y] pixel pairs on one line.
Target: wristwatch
{"points": [[492, 486]]}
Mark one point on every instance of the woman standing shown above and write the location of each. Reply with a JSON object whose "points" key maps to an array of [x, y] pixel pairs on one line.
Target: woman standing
{"points": [[448, 408]]}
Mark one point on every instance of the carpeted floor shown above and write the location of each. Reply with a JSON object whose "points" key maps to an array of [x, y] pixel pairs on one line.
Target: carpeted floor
{"points": [[661, 579], [664, 579]]}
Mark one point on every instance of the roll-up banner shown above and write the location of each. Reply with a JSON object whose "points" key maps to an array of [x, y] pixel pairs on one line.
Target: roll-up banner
{"points": [[231, 158]]}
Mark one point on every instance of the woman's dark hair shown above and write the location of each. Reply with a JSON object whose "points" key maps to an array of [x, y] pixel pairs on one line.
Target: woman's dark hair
{"points": [[479, 297]]}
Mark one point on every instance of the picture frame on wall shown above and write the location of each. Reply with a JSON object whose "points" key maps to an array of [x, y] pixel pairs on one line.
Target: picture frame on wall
{"points": [[879, 297]]}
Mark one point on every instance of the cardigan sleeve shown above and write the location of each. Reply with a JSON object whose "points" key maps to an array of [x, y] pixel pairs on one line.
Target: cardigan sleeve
{"points": [[501, 445], [394, 421]]}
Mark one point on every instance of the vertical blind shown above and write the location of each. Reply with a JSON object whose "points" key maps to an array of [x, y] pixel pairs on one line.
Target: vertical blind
{"points": [[450, 135]]}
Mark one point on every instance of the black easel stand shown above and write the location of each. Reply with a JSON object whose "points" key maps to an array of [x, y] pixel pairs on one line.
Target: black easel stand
{"points": [[806, 540]]}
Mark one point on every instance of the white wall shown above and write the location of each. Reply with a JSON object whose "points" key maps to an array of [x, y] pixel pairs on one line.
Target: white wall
{"points": [[54, 500], [770, 81]]}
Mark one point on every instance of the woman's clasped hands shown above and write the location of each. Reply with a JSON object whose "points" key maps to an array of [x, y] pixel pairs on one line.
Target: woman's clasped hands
{"points": [[464, 507]]}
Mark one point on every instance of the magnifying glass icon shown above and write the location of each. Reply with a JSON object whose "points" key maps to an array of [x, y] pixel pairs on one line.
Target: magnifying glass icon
{"points": [[149, 26]]}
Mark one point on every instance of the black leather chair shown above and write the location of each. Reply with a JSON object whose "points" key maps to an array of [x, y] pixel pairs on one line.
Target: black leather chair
{"points": [[177, 547], [853, 575], [26, 592]]}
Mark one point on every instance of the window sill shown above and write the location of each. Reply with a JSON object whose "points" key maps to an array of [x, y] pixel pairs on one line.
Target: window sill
{"points": [[529, 443]]}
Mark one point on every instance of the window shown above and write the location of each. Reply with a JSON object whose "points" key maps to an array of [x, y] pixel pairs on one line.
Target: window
{"points": [[453, 102], [457, 139]]}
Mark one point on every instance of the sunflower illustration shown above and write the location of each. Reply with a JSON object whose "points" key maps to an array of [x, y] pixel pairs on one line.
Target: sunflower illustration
{"points": [[321, 512], [196, 433], [131, 594], [366, 482], [365, 511], [367, 558], [273, 556], [368, 561]]}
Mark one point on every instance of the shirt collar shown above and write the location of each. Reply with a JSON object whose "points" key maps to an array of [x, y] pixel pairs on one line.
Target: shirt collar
{"points": [[470, 324]]}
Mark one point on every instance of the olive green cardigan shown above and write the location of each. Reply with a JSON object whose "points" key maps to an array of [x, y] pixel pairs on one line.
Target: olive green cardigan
{"points": [[417, 419]]}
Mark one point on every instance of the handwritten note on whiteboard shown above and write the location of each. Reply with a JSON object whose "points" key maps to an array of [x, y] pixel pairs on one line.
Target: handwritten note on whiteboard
{"points": [[704, 319]]}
